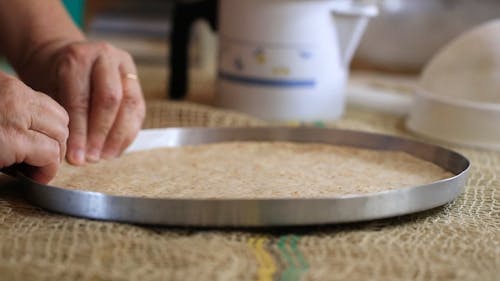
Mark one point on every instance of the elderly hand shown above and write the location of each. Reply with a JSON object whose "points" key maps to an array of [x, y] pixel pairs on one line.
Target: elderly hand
{"points": [[33, 130], [97, 84]]}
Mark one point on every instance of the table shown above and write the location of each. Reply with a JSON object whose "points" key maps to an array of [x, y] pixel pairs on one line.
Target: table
{"points": [[459, 241]]}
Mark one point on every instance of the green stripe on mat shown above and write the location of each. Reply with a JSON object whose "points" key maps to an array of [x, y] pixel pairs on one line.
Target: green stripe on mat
{"points": [[319, 124], [296, 265]]}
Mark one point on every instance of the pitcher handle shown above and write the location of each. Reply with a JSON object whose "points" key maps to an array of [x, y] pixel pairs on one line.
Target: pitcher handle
{"points": [[350, 20]]}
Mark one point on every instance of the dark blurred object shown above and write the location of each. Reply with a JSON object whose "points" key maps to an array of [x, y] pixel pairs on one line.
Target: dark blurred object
{"points": [[139, 27], [407, 33], [185, 14], [133, 18]]}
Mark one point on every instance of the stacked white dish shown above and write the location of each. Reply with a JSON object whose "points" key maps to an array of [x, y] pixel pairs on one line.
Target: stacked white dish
{"points": [[458, 100]]}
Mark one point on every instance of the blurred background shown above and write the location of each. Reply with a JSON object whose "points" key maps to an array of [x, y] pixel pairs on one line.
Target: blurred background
{"points": [[405, 35], [144, 29]]}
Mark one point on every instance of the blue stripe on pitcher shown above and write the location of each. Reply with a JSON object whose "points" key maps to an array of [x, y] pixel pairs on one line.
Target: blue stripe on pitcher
{"points": [[306, 83]]}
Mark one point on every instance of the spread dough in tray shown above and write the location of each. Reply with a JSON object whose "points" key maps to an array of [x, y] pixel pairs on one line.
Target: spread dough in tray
{"points": [[251, 170]]}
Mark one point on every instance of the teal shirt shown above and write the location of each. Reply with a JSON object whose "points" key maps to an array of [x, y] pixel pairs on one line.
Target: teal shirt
{"points": [[76, 9]]}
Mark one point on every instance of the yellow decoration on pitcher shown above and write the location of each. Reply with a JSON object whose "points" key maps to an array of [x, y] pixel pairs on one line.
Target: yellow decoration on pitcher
{"points": [[260, 56], [281, 71]]}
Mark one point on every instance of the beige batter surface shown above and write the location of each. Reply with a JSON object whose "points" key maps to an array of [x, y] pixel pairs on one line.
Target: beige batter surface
{"points": [[251, 170]]}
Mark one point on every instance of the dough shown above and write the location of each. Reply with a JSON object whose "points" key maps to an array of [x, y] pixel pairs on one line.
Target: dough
{"points": [[251, 170]]}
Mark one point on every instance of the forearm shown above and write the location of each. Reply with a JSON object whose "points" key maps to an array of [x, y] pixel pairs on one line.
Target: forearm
{"points": [[28, 25]]}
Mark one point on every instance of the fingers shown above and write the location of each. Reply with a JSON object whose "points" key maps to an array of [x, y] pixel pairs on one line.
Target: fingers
{"points": [[130, 116], [105, 101], [106, 109], [42, 153], [49, 118], [44, 143], [73, 92], [33, 130], [127, 125]]}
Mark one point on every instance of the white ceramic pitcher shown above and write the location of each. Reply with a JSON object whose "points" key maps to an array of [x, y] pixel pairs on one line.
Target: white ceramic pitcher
{"points": [[288, 59]]}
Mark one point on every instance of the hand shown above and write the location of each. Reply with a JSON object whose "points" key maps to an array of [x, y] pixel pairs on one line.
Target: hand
{"points": [[33, 130], [97, 84]]}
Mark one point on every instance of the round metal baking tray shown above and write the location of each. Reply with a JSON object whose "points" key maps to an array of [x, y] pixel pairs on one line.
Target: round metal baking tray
{"points": [[262, 212]]}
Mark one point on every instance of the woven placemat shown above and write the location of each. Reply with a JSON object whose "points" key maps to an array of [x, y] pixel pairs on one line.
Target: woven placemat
{"points": [[460, 241], [163, 113]]}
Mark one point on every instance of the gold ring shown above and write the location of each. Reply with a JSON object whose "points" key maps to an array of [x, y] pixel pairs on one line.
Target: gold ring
{"points": [[131, 76]]}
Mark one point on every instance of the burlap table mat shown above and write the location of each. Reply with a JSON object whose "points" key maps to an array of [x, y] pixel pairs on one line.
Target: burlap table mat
{"points": [[459, 241]]}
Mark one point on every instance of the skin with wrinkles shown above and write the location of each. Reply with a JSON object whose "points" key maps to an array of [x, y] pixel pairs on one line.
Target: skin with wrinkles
{"points": [[25, 137], [87, 79]]}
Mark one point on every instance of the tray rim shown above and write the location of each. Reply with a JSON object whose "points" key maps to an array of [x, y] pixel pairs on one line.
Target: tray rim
{"points": [[210, 211]]}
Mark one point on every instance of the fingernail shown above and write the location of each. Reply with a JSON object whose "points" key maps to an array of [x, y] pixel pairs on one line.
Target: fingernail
{"points": [[93, 155], [78, 156]]}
